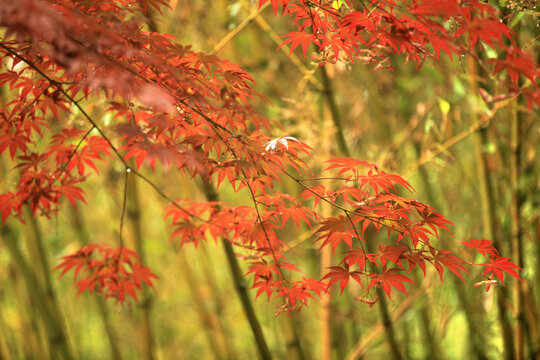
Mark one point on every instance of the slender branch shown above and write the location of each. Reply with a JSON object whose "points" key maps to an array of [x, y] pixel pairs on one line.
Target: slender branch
{"points": [[374, 219], [309, 74], [128, 169], [72, 154], [328, 92], [359, 239], [238, 29], [124, 201], [34, 100], [475, 127], [364, 343], [264, 230]]}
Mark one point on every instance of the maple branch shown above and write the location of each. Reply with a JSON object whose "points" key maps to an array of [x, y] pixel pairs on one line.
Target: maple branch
{"points": [[214, 125], [259, 219], [360, 241], [372, 218], [72, 154], [59, 87], [128, 168], [264, 230], [34, 100], [94, 124]]}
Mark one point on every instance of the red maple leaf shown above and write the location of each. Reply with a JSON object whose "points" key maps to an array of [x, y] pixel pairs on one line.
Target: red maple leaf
{"points": [[389, 278], [297, 38], [501, 265], [342, 274], [449, 261], [482, 246]]}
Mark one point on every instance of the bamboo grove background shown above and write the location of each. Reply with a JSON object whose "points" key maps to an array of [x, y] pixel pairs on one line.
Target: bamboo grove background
{"points": [[474, 161]]}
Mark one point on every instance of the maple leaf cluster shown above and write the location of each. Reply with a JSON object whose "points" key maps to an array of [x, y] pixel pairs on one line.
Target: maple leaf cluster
{"points": [[177, 108], [372, 31], [113, 273]]}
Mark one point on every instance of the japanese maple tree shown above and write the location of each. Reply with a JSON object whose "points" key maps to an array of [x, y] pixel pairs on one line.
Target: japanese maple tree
{"points": [[193, 113]]}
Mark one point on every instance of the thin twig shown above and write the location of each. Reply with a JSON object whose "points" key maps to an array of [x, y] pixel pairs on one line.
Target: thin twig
{"points": [[238, 29], [128, 170]]}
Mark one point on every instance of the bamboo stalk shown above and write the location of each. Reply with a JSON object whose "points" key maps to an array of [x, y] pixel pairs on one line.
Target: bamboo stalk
{"points": [[263, 24], [517, 238], [262, 347], [433, 350], [57, 340], [82, 232], [40, 259], [329, 95], [532, 313], [222, 328], [363, 344], [325, 316], [295, 348], [382, 305], [29, 341], [134, 215], [239, 284], [488, 213], [206, 317], [35, 247], [488, 220], [326, 308], [238, 29], [473, 316]]}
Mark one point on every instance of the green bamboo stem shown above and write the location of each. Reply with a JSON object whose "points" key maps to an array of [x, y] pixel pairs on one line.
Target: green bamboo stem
{"points": [[407, 340], [329, 95], [239, 284], [134, 215], [56, 336], [82, 232], [488, 220], [38, 253], [517, 238], [489, 211], [533, 311], [40, 259], [473, 316], [28, 342], [327, 126], [326, 253], [222, 327], [264, 26], [388, 324], [292, 331], [433, 350], [207, 319], [262, 347]]}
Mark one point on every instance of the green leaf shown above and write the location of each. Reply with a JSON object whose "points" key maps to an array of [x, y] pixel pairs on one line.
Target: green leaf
{"points": [[337, 4]]}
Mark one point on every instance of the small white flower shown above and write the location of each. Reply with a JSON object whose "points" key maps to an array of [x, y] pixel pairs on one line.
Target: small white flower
{"points": [[284, 140]]}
